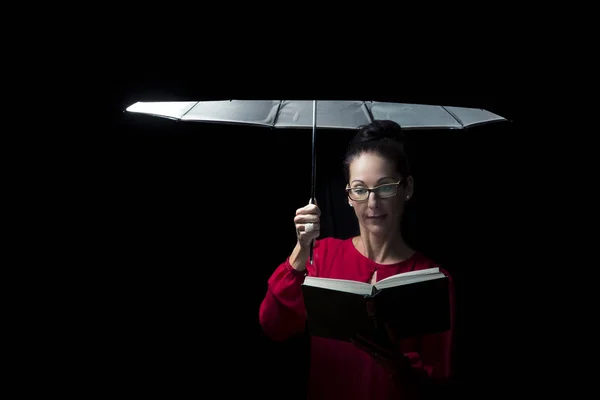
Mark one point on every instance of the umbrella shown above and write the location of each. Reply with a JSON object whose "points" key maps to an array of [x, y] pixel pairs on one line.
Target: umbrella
{"points": [[325, 114], [329, 114]]}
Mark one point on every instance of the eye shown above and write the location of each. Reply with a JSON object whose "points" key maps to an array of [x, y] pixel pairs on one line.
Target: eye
{"points": [[359, 191], [387, 188]]}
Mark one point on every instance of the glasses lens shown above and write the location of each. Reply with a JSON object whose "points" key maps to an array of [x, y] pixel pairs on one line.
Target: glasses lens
{"points": [[359, 194], [383, 191], [387, 190]]}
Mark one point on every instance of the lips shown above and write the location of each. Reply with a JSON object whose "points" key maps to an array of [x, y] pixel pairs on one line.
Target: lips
{"points": [[381, 216]]}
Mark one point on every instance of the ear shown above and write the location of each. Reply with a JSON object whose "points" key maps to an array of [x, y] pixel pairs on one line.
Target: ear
{"points": [[409, 189]]}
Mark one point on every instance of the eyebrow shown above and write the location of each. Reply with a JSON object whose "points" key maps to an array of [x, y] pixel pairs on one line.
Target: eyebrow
{"points": [[379, 180]]}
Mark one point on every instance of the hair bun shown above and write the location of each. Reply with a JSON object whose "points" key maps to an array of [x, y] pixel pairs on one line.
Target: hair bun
{"points": [[382, 137], [380, 130]]}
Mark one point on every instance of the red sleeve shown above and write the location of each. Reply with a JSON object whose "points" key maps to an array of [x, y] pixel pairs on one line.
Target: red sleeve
{"points": [[434, 359], [282, 313]]}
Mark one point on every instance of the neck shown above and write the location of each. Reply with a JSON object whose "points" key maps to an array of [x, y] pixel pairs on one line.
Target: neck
{"points": [[382, 249]]}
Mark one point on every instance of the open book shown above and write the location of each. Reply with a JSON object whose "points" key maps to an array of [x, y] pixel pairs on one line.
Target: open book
{"points": [[412, 303]]}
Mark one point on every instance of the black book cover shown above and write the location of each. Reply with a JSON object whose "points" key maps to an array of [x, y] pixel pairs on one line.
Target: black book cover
{"points": [[413, 309]]}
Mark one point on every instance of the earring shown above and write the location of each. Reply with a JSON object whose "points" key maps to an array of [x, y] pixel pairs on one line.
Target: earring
{"points": [[350, 204], [407, 197]]}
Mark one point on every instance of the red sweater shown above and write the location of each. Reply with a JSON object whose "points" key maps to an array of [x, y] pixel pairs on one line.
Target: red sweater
{"points": [[340, 370]]}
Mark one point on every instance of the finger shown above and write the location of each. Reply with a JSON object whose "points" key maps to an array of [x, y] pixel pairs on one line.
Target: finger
{"points": [[302, 227], [305, 218], [307, 237], [309, 209]]}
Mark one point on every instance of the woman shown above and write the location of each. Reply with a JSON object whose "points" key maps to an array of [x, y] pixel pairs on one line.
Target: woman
{"points": [[379, 185]]}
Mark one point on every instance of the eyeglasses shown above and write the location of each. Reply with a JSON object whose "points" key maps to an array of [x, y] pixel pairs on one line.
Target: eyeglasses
{"points": [[382, 191]]}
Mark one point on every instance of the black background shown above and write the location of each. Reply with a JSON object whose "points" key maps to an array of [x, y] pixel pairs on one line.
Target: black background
{"points": [[181, 224], [199, 216]]}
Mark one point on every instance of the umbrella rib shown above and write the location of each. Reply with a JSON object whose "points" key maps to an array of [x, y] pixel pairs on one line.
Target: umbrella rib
{"points": [[453, 116], [370, 115], [277, 113], [190, 109]]}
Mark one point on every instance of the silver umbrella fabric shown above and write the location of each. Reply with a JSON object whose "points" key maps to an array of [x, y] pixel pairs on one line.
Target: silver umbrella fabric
{"points": [[329, 114], [326, 114]]}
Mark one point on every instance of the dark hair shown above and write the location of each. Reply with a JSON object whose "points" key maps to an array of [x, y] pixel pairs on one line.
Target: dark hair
{"points": [[382, 137]]}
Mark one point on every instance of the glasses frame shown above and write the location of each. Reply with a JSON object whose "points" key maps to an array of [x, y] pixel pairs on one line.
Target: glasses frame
{"points": [[373, 190]]}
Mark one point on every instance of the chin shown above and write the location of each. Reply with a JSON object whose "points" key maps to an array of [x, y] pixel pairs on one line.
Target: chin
{"points": [[378, 229]]}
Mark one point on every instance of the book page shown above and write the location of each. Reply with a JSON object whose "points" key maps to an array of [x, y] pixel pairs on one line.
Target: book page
{"points": [[401, 280], [410, 277], [411, 274], [342, 285]]}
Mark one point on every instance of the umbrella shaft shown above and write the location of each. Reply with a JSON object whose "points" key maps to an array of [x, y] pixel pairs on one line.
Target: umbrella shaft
{"points": [[314, 161], [314, 168]]}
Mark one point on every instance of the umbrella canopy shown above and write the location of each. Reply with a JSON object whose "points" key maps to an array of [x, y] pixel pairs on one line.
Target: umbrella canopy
{"points": [[314, 114], [329, 114]]}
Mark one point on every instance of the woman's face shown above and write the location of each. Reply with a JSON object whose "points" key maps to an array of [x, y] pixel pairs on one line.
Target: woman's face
{"points": [[377, 215]]}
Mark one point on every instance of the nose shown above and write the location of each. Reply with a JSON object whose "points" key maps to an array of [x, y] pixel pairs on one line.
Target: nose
{"points": [[373, 200]]}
